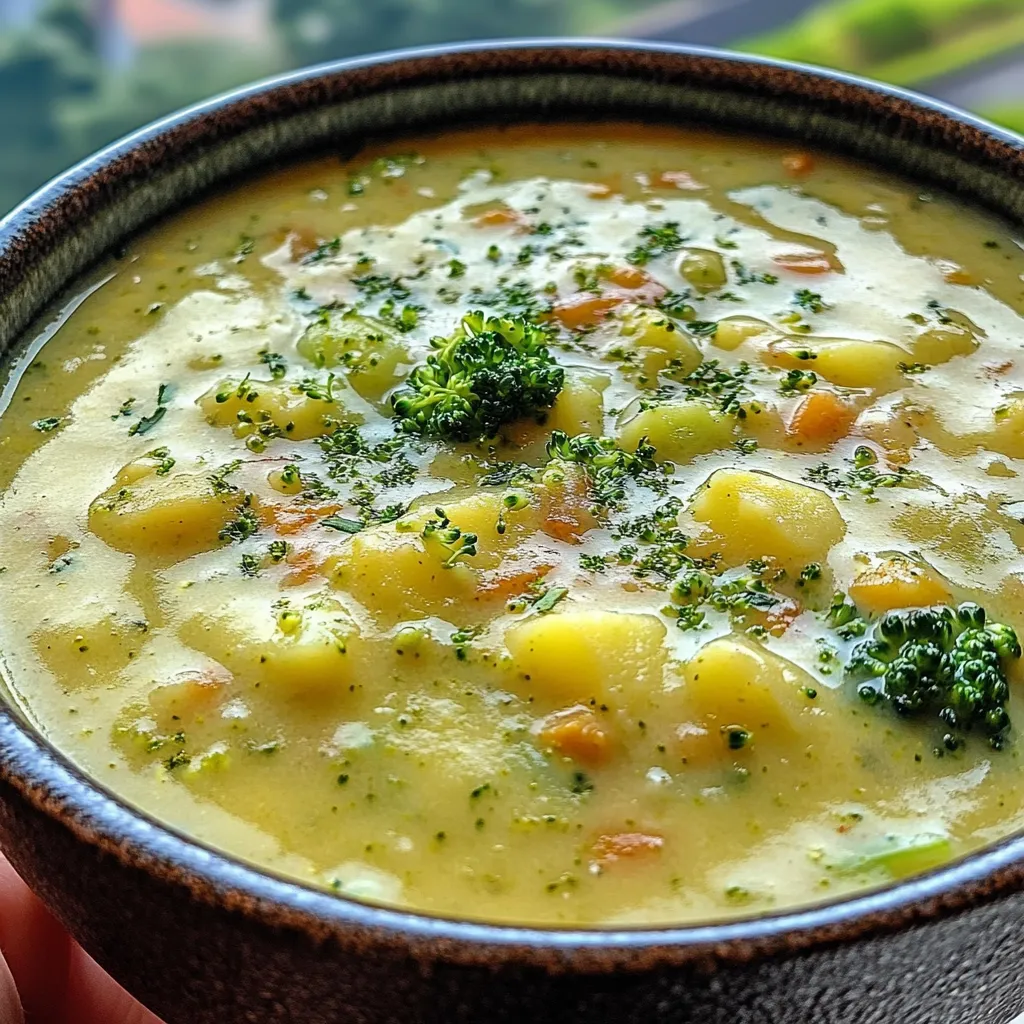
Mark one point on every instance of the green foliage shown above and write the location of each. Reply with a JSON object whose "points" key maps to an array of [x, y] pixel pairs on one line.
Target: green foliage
{"points": [[944, 661], [320, 30], [490, 371]]}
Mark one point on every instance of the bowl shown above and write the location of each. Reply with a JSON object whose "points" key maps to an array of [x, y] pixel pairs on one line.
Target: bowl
{"points": [[202, 937]]}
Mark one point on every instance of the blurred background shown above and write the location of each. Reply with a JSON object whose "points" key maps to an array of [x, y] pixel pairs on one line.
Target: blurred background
{"points": [[76, 74]]}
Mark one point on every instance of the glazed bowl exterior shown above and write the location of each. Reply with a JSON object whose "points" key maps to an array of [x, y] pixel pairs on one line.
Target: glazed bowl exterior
{"points": [[202, 937]]}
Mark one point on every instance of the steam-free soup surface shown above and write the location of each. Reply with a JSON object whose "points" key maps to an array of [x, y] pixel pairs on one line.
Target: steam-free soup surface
{"points": [[671, 627]]}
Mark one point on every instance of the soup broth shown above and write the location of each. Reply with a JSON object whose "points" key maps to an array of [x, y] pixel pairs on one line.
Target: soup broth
{"points": [[594, 525]]}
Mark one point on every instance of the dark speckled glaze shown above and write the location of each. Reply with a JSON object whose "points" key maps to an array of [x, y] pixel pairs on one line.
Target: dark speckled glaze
{"points": [[205, 939]]}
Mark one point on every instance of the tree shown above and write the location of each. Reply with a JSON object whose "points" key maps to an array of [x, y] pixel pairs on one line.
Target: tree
{"points": [[321, 30]]}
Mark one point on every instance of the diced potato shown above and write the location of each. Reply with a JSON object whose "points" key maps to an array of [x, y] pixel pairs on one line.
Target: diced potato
{"points": [[679, 432], [367, 350], [1007, 433], [848, 363], [166, 517], [579, 409], [739, 694], [615, 658], [733, 331], [897, 583], [704, 269], [753, 515], [272, 408], [93, 652], [287, 649], [940, 344], [397, 573], [654, 342]]}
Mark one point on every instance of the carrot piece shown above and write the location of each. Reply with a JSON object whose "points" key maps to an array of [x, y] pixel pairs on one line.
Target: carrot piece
{"points": [[586, 310], [953, 273], [512, 577], [798, 165], [576, 732], [293, 518], [632, 278], [807, 262], [821, 416], [682, 180], [500, 217], [626, 846]]}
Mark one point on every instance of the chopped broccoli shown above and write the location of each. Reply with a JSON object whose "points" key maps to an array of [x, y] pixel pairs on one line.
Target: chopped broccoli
{"points": [[457, 545], [607, 465], [490, 371], [944, 660]]}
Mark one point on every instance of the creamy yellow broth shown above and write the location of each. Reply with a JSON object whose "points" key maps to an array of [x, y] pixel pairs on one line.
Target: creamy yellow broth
{"points": [[229, 594]]}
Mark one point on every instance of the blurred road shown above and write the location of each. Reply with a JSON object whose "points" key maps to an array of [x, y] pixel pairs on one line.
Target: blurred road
{"points": [[712, 22]]}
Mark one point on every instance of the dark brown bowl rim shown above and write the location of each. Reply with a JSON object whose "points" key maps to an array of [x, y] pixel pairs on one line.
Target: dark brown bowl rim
{"points": [[50, 783]]}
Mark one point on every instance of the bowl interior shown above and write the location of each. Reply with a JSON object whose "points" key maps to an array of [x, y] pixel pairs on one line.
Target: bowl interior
{"points": [[71, 223]]}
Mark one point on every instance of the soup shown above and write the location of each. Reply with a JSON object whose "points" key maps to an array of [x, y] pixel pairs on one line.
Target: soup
{"points": [[599, 525]]}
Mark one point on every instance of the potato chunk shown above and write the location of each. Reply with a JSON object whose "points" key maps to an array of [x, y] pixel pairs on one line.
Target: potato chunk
{"points": [[579, 409], [752, 514], [940, 344], [167, 517], [733, 331], [575, 656], [397, 573], [654, 342], [897, 582], [848, 363], [680, 432], [272, 408], [737, 693], [300, 648], [91, 653], [367, 350]]}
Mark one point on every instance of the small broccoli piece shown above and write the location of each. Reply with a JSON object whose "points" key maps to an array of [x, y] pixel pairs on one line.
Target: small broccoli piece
{"points": [[490, 371], [943, 660], [607, 465], [457, 544]]}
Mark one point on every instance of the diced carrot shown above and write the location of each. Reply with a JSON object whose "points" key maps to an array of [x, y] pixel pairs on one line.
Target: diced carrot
{"points": [[682, 180], [586, 310], [632, 278], [808, 262], [567, 515], [512, 577], [821, 417], [953, 273], [798, 165], [576, 732], [500, 217], [294, 518], [189, 693], [626, 846], [304, 567]]}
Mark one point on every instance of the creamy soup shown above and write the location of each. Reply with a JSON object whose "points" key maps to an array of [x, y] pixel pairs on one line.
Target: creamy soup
{"points": [[600, 525]]}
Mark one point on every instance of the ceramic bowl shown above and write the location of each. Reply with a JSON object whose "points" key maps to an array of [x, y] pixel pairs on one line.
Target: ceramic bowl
{"points": [[203, 938]]}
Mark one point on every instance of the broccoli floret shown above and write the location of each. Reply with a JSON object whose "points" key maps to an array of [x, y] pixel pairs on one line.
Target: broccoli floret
{"points": [[948, 661], [457, 545], [490, 371], [607, 465]]}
